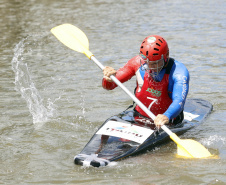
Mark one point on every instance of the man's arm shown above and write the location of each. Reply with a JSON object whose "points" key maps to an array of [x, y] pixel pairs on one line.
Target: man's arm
{"points": [[123, 74], [180, 87]]}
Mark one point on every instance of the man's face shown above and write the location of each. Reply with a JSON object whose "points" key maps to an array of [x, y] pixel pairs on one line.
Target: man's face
{"points": [[155, 66]]}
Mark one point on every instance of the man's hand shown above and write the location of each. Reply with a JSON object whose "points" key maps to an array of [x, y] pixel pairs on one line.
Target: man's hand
{"points": [[161, 120], [108, 71]]}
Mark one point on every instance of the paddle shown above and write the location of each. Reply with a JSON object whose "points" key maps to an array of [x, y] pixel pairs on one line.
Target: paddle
{"points": [[76, 40]]}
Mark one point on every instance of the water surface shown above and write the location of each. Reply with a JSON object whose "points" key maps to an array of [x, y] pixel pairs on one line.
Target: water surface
{"points": [[52, 100]]}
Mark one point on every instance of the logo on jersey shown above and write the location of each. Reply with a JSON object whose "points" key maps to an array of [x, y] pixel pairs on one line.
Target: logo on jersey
{"points": [[154, 92]]}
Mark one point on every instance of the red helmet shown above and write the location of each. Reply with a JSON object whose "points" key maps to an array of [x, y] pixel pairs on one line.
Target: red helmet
{"points": [[154, 47]]}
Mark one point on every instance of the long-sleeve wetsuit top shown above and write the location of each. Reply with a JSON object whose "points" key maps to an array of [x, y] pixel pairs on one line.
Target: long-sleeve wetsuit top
{"points": [[178, 82]]}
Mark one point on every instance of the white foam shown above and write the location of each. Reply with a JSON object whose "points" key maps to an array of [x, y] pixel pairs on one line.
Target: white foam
{"points": [[26, 87], [213, 140]]}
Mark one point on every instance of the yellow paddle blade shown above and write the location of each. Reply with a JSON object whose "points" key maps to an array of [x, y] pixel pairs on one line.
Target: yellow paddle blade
{"points": [[72, 37], [190, 148]]}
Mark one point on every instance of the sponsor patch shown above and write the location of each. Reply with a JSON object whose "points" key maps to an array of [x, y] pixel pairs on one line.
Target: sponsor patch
{"points": [[154, 92], [125, 131]]}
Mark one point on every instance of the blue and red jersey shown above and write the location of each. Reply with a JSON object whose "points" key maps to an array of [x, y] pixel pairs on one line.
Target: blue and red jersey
{"points": [[164, 95]]}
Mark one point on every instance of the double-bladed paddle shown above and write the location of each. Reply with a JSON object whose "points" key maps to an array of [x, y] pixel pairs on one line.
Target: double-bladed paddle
{"points": [[76, 40]]}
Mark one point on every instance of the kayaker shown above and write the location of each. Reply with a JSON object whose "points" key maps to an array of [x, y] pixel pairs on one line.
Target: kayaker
{"points": [[162, 82]]}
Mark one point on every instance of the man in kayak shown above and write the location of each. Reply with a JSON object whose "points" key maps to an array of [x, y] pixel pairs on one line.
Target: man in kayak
{"points": [[162, 82]]}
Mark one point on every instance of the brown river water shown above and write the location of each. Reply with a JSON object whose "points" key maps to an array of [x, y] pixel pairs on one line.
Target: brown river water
{"points": [[52, 101]]}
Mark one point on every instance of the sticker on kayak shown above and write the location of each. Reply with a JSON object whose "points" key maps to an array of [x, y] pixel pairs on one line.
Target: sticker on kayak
{"points": [[189, 116], [125, 131]]}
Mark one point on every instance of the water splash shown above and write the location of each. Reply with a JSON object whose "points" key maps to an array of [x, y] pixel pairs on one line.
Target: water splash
{"points": [[27, 89], [214, 140]]}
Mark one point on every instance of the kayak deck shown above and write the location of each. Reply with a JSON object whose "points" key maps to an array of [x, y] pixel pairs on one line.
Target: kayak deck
{"points": [[125, 135]]}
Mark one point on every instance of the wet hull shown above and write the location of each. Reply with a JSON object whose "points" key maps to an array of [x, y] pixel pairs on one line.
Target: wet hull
{"points": [[126, 134]]}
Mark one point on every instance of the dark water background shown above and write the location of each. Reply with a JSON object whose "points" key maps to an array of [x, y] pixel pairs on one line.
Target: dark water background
{"points": [[51, 99]]}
